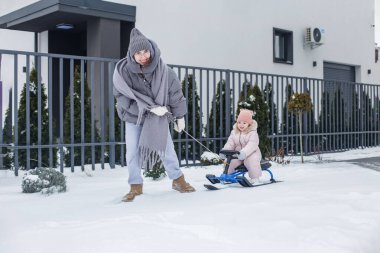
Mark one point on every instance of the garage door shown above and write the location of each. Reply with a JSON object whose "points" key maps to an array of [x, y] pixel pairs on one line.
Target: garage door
{"points": [[332, 71], [343, 74]]}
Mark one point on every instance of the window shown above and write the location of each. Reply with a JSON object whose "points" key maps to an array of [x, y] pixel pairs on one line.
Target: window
{"points": [[376, 54], [282, 46]]}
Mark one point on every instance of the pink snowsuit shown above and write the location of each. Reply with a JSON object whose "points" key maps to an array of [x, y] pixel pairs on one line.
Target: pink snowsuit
{"points": [[247, 142]]}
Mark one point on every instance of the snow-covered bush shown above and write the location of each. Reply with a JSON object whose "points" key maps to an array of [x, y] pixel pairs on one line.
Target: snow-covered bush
{"points": [[43, 180], [208, 158], [157, 172]]}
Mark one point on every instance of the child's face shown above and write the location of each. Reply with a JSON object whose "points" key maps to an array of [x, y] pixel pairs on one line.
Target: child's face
{"points": [[242, 125]]}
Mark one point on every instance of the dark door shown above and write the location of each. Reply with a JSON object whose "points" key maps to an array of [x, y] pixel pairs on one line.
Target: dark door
{"points": [[333, 71]]}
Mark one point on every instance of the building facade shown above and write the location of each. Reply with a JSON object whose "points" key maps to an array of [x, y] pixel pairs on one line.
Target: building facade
{"points": [[240, 34], [260, 36]]}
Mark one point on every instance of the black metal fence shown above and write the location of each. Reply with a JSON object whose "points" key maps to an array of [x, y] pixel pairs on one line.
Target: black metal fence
{"points": [[345, 115], [62, 112]]}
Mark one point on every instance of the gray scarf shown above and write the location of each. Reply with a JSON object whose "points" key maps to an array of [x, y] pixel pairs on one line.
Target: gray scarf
{"points": [[154, 133]]}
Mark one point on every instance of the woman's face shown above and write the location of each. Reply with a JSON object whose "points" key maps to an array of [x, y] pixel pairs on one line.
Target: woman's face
{"points": [[242, 125], [142, 57]]}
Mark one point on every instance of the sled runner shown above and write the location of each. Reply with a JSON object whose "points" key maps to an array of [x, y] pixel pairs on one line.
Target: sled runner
{"points": [[238, 175]]}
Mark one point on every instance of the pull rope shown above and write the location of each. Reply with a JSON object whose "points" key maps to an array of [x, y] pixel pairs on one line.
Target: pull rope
{"points": [[172, 120]]}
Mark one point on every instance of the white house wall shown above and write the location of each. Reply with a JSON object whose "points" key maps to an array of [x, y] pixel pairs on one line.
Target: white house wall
{"points": [[239, 34]]}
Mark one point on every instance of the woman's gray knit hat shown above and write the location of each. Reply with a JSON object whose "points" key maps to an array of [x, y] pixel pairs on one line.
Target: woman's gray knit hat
{"points": [[138, 42]]}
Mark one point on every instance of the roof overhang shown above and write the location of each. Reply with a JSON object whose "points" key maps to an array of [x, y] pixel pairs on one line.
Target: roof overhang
{"points": [[46, 14]]}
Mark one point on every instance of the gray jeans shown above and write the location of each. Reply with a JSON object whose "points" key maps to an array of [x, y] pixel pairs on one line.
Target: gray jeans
{"points": [[132, 136]]}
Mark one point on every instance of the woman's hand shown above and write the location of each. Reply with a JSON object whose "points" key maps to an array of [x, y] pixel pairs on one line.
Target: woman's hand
{"points": [[159, 110], [179, 126]]}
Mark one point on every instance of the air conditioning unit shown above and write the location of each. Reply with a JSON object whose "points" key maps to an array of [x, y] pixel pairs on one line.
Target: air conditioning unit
{"points": [[314, 36]]}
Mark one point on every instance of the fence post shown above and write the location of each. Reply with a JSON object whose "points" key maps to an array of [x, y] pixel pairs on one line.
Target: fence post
{"points": [[361, 99], [228, 103], [15, 107], [1, 119], [304, 123], [111, 116]]}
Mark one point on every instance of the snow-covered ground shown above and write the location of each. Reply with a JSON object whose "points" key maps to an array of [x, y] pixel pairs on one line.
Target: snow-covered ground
{"points": [[321, 207]]}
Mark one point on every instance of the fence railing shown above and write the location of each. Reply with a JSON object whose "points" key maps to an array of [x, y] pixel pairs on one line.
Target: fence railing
{"points": [[62, 112], [345, 115]]}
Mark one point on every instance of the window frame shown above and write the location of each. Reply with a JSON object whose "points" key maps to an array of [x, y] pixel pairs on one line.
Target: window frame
{"points": [[287, 48]]}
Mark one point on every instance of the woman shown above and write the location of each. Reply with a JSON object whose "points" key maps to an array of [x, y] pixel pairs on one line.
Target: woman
{"points": [[146, 89]]}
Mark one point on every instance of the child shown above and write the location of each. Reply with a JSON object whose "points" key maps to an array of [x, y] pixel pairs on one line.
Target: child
{"points": [[244, 138]]}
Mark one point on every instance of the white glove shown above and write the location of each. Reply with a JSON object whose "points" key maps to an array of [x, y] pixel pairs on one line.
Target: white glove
{"points": [[159, 110], [222, 156], [241, 156], [180, 125]]}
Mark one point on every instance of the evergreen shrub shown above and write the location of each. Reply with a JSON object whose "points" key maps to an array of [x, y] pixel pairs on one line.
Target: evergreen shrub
{"points": [[157, 172], [43, 180]]}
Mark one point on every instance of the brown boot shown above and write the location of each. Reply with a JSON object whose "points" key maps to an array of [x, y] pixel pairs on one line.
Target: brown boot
{"points": [[181, 185], [136, 189]]}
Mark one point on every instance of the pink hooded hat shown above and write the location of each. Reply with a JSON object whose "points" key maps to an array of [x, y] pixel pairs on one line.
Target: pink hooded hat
{"points": [[246, 116]]}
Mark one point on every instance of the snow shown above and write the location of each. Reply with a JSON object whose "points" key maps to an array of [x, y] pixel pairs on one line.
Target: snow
{"points": [[33, 178], [210, 156], [329, 206]]}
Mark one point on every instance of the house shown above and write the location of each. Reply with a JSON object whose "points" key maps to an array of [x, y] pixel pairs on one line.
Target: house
{"points": [[264, 36]]}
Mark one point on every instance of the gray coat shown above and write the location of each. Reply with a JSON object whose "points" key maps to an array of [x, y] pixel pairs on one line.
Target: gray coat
{"points": [[141, 80]]}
